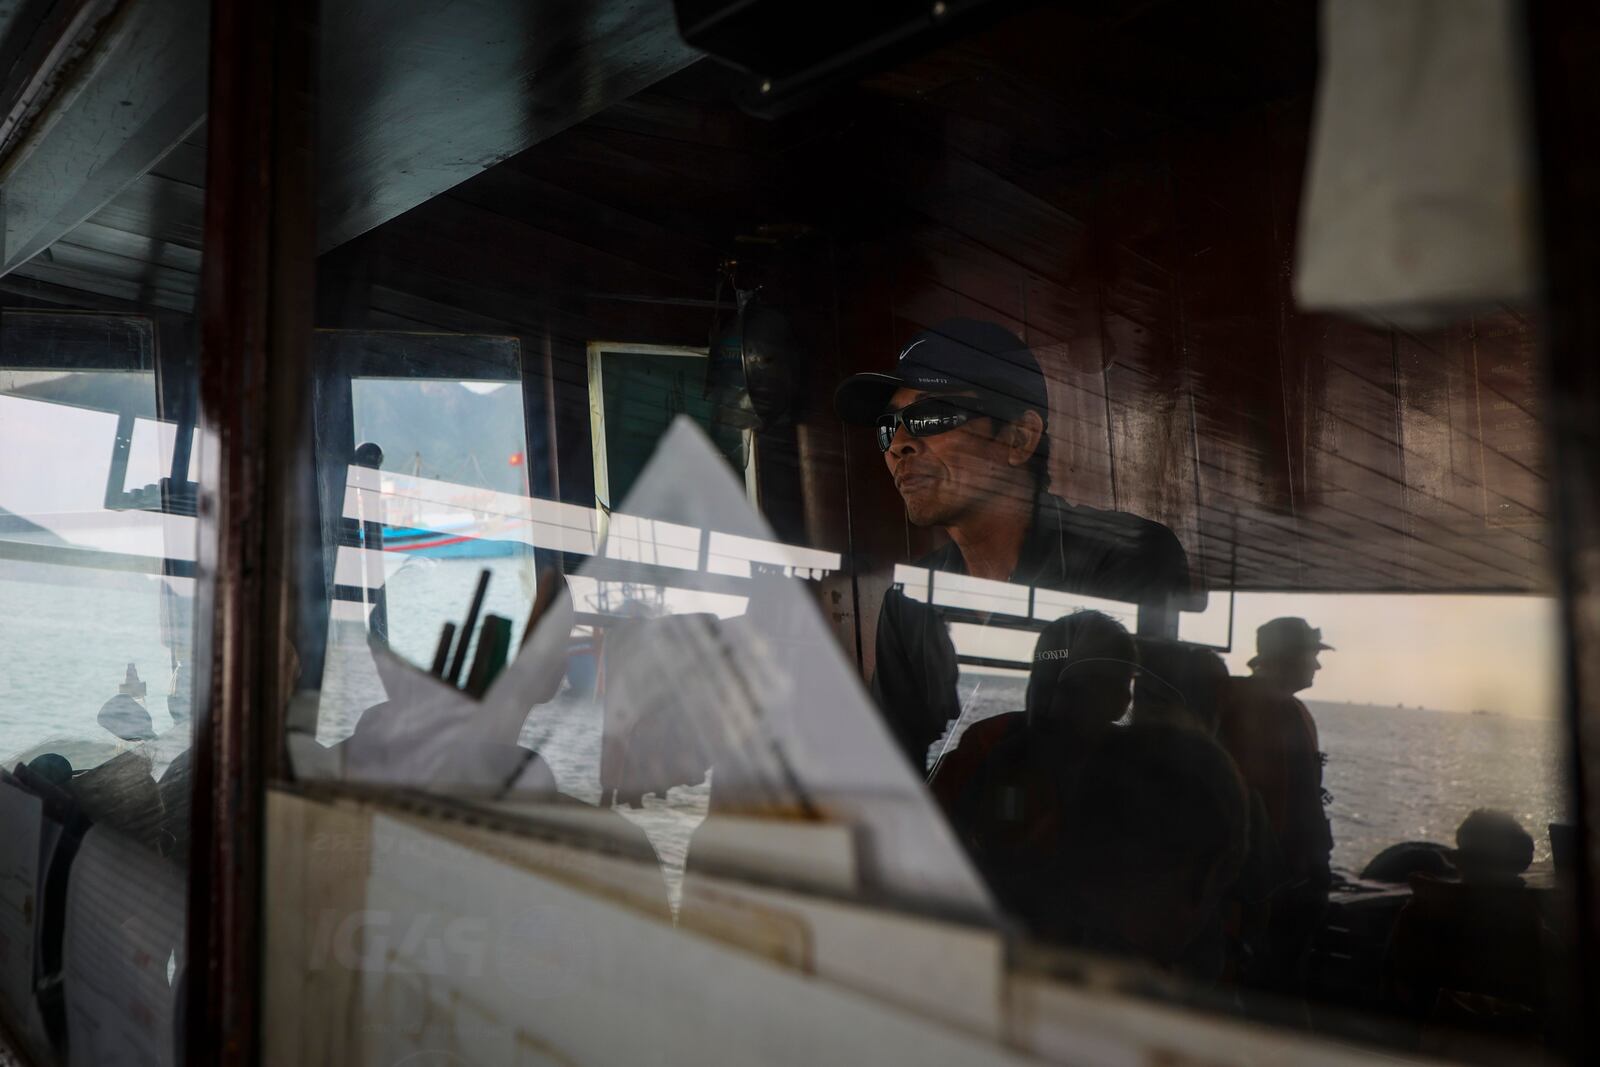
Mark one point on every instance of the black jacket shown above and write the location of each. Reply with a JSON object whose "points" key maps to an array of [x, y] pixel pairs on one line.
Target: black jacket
{"points": [[1107, 554]]}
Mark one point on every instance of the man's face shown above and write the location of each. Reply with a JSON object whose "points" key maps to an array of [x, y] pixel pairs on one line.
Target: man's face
{"points": [[1300, 669], [945, 477]]}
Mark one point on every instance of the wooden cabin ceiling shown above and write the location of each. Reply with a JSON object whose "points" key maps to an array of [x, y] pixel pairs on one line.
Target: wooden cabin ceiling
{"points": [[89, 115], [418, 96], [415, 96], [143, 247]]}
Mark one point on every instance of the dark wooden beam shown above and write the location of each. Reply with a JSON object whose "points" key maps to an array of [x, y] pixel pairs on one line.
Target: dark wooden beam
{"points": [[41, 44], [417, 96], [255, 332], [130, 87]]}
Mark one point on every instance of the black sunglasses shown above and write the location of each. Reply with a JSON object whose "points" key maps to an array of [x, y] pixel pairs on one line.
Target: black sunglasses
{"points": [[933, 415]]}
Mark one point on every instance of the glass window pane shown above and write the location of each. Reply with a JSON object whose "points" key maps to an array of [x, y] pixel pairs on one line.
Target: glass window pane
{"points": [[912, 559], [98, 544], [100, 688]]}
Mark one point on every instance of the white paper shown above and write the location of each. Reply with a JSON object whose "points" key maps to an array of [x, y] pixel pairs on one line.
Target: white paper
{"points": [[432, 735], [124, 953], [769, 692], [468, 959], [773, 691]]}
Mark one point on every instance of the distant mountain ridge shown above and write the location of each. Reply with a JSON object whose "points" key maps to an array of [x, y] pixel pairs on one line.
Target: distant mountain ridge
{"points": [[460, 436], [14, 525]]}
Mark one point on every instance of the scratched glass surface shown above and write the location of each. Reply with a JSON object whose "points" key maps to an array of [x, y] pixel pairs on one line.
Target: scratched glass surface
{"points": [[897, 554]]}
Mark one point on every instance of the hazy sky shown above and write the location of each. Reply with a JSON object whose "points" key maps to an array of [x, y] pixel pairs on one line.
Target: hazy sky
{"points": [[1452, 653]]}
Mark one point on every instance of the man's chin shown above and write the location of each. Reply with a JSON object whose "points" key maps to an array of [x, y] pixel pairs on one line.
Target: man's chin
{"points": [[923, 513]]}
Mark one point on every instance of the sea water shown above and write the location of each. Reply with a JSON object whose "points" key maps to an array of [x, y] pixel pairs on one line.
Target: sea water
{"points": [[68, 634]]}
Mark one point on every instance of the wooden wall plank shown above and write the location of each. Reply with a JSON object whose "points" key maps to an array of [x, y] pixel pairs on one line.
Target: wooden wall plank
{"points": [[1148, 267]]}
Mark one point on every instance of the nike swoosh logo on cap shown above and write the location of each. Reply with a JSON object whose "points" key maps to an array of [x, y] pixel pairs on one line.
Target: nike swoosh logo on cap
{"points": [[907, 350]]}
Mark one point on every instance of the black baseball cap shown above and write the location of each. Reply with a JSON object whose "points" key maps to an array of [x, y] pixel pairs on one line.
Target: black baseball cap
{"points": [[956, 356], [1074, 640]]}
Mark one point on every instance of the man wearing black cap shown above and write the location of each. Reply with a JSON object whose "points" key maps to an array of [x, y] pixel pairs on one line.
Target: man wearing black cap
{"points": [[961, 423], [1273, 739]]}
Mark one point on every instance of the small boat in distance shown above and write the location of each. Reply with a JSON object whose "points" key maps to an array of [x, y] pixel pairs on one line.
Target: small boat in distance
{"points": [[466, 527], [458, 540]]}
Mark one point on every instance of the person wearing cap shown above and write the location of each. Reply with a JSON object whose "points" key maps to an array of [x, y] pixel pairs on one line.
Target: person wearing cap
{"points": [[1002, 786], [1080, 683], [1286, 655], [1273, 739], [962, 424]]}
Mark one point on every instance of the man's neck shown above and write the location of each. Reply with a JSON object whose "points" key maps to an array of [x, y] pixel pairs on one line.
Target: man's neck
{"points": [[1276, 682], [990, 541]]}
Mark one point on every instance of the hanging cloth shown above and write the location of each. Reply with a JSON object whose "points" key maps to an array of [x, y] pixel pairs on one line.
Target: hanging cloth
{"points": [[1418, 199]]}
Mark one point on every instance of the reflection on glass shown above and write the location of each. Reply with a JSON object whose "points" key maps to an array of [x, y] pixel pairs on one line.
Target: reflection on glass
{"points": [[981, 476], [1263, 798], [97, 557], [635, 391], [1022, 588]]}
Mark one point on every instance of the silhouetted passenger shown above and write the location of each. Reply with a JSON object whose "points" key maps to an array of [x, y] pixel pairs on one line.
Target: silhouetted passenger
{"points": [[1489, 845], [1492, 845], [1002, 786], [962, 426], [1082, 668], [1179, 683], [1479, 951], [1154, 835], [1081, 677], [1397, 863], [1273, 740], [1187, 685]]}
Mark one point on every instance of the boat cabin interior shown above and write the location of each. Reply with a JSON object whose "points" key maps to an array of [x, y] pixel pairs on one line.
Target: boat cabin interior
{"points": [[982, 532]]}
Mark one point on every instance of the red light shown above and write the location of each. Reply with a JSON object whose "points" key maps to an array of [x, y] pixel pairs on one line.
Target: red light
{"points": [[516, 459]]}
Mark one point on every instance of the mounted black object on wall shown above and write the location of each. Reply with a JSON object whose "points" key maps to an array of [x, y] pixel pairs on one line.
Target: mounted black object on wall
{"points": [[750, 373]]}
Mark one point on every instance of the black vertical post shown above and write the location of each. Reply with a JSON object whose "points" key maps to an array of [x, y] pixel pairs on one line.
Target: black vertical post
{"points": [[1565, 53]]}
